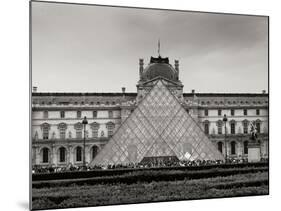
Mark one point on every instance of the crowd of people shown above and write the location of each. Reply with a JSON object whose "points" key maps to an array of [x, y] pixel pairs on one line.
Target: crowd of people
{"points": [[146, 164]]}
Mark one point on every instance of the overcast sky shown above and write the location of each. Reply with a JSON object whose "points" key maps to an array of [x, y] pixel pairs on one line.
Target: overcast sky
{"points": [[81, 48]]}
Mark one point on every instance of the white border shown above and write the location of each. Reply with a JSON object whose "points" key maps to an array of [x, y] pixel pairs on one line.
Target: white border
{"points": [[15, 102]]}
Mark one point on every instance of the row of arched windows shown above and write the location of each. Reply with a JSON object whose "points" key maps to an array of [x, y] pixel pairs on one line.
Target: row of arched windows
{"points": [[233, 146], [78, 152]]}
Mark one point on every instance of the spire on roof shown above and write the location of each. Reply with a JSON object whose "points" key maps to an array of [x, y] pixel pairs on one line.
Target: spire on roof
{"points": [[159, 47]]}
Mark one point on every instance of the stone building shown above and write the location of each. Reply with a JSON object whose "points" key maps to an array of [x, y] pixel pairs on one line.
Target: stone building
{"points": [[58, 132]]}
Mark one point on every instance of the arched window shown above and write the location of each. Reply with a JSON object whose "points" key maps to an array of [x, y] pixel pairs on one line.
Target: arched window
{"points": [[246, 147], [219, 123], [45, 127], [62, 128], [95, 129], [220, 146], [206, 127], [232, 127], [94, 151], [245, 126], [79, 154], [62, 153], [45, 155], [110, 127], [233, 147], [78, 127]]}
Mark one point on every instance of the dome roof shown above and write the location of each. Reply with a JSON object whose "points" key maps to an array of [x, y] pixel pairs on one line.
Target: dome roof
{"points": [[160, 67]]}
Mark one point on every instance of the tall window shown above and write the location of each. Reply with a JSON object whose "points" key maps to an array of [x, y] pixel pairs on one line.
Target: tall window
{"points": [[94, 151], [219, 127], [219, 112], [110, 127], [245, 147], [206, 127], [95, 129], [258, 112], [233, 147], [62, 130], [45, 115], [258, 126], [110, 114], [206, 112], [78, 114], [79, 154], [220, 146], [78, 127], [45, 155], [62, 154], [245, 111], [232, 127], [95, 114], [62, 114], [245, 126], [45, 128], [232, 112]]}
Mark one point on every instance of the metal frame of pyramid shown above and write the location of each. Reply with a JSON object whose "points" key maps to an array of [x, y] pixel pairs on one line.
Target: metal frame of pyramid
{"points": [[158, 127]]}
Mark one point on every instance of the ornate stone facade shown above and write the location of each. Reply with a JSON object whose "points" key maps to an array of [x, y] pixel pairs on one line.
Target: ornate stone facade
{"points": [[58, 134]]}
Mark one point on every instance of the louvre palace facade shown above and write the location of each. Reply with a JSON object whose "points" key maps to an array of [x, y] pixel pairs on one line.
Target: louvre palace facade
{"points": [[159, 120]]}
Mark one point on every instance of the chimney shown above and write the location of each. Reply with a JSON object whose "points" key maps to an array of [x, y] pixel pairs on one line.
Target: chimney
{"points": [[123, 90], [177, 65], [141, 67], [263, 91], [34, 89], [193, 91]]}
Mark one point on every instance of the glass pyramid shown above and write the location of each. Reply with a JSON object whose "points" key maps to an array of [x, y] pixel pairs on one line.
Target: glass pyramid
{"points": [[158, 127]]}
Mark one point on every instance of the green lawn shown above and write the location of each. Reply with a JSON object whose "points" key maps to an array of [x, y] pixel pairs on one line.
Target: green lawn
{"points": [[105, 194]]}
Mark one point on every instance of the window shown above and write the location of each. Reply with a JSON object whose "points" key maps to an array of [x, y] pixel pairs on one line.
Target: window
{"points": [[232, 112], [79, 154], [95, 129], [45, 158], [110, 114], [219, 127], [232, 127], [79, 134], [45, 128], [62, 130], [45, 133], [95, 114], [78, 114], [245, 147], [233, 147], [220, 146], [62, 133], [245, 111], [245, 126], [258, 112], [62, 114], [110, 127], [206, 127], [219, 112], [187, 110], [258, 127], [206, 112], [62, 154], [94, 151], [45, 115]]}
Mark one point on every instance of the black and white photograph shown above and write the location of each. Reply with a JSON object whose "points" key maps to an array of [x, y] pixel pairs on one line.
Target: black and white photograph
{"points": [[139, 105]]}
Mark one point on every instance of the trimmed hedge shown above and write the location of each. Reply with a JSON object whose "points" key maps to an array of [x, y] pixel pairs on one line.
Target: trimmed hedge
{"points": [[149, 176], [113, 172]]}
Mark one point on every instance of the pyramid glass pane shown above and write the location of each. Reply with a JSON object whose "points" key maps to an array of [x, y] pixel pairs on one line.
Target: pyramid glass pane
{"points": [[158, 127]]}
